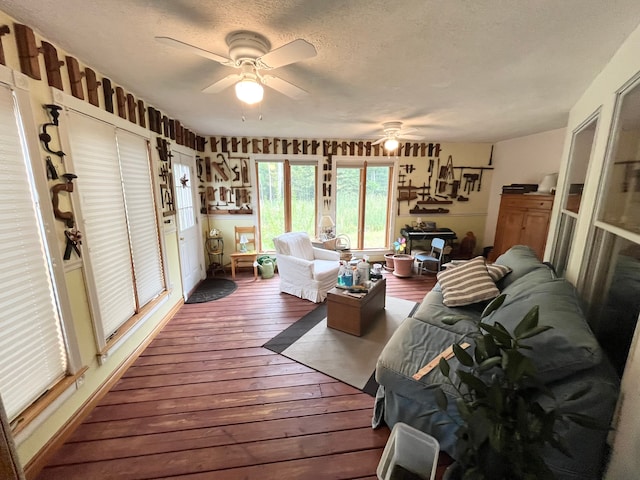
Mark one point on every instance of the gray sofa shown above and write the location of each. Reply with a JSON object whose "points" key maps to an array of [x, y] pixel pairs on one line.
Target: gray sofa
{"points": [[567, 358]]}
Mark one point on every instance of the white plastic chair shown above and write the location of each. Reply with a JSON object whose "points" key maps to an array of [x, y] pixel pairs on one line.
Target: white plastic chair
{"points": [[424, 260]]}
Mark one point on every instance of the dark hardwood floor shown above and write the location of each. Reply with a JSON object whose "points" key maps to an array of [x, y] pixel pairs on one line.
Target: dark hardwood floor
{"points": [[206, 401]]}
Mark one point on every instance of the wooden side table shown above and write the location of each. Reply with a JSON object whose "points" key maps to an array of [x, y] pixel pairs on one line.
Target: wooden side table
{"points": [[353, 315]]}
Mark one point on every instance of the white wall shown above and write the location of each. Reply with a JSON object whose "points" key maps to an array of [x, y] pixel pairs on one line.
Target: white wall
{"points": [[521, 160]]}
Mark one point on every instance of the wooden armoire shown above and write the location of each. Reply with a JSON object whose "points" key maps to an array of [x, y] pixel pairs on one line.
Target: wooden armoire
{"points": [[523, 220]]}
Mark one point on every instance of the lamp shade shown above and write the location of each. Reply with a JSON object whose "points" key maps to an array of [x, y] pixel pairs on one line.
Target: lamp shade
{"points": [[391, 144], [326, 222], [244, 239], [249, 91]]}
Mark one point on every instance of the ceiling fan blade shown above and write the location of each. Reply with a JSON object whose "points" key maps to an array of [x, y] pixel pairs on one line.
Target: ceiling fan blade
{"points": [[404, 131], [172, 42], [289, 53], [220, 85], [378, 142], [284, 87], [412, 137]]}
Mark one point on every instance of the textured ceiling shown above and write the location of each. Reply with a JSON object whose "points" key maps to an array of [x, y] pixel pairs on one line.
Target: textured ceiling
{"points": [[458, 70]]}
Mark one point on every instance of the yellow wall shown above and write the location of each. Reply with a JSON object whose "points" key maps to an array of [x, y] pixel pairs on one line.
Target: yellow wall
{"points": [[33, 439]]}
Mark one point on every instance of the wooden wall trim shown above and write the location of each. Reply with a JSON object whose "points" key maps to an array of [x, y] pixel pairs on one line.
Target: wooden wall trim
{"points": [[39, 461]]}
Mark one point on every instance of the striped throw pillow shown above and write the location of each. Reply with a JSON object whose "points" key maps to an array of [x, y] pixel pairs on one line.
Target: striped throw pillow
{"points": [[497, 272], [467, 284]]}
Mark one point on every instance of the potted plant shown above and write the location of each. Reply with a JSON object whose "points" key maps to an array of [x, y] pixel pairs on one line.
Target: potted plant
{"points": [[402, 263], [502, 428]]}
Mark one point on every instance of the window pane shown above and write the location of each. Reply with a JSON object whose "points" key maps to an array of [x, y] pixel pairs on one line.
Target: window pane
{"points": [[613, 292], [106, 235], [183, 191], [563, 243], [376, 202], [271, 198], [621, 205], [34, 355], [347, 203], [581, 149], [303, 199]]}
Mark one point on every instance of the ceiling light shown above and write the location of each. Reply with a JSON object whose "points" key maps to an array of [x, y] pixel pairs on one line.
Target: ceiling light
{"points": [[391, 144], [249, 91]]}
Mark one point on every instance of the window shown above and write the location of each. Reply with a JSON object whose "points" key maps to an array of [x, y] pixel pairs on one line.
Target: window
{"points": [[621, 193], [613, 289], [610, 278], [579, 158], [119, 221], [287, 199], [34, 354], [362, 204]]}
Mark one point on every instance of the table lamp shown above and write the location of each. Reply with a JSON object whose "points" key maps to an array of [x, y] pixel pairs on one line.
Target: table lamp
{"points": [[326, 227], [243, 243]]}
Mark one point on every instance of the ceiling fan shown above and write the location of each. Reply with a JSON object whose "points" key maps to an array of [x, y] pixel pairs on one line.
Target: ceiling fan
{"points": [[251, 53], [393, 132]]}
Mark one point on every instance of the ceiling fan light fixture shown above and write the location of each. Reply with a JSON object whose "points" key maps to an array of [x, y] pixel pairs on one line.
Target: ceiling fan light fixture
{"points": [[391, 144], [249, 91]]}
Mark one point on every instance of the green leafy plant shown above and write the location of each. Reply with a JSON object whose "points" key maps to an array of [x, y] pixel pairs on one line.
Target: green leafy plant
{"points": [[503, 428]]}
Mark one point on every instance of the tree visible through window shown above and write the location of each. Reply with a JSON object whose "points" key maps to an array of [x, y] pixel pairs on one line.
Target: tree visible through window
{"points": [[362, 204], [287, 199]]}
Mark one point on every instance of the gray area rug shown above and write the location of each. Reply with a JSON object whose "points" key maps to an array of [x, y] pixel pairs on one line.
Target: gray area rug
{"points": [[340, 355], [211, 289]]}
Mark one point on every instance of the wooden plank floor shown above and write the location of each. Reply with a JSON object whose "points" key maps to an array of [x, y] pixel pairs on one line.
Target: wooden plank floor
{"points": [[206, 401]]}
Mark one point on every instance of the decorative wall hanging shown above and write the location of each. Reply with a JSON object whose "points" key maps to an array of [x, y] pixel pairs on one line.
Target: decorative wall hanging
{"points": [[66, 186], [45, 137]]}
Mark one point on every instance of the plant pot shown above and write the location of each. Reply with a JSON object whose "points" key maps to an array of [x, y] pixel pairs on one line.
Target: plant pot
{"points": [[388, 258], [402, 265]]}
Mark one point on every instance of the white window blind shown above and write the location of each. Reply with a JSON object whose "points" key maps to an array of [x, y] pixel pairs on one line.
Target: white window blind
{"points": [[143, 227], [106, 237], [33, 351]]}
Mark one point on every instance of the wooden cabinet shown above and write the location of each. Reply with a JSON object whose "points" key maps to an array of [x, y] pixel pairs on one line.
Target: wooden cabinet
{"points": [[523, 220]]}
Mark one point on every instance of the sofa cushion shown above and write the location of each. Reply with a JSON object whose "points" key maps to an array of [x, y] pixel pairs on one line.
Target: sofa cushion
{"points": [[570, 345], [467, 283], [521, 260]]}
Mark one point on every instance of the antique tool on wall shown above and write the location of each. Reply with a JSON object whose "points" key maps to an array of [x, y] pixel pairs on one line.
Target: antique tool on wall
{"points": [[75, 77], [245, 172], [236, 173], [121, 101], [220, 170], [52, 173], [132, 109], [4, 30], [67, 186], [45, 138], [417, 209], [74, 238], [222, 157], [454, 188], [27, 50], [107, 89], [92, 87], [52, 64]]}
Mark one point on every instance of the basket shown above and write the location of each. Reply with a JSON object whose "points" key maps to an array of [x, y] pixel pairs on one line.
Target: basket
{"points": [[410, 454]]}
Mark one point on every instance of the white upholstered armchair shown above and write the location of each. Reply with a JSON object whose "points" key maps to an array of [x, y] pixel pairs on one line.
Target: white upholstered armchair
{"points": [[305, 271]]}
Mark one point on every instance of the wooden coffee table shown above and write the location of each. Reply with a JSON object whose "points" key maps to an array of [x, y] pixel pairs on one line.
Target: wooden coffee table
{"points": [[353, 315]]}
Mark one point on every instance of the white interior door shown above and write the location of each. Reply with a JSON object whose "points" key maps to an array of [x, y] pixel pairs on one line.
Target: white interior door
{"points": [[191, 252]]}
